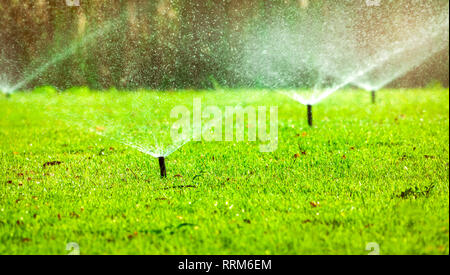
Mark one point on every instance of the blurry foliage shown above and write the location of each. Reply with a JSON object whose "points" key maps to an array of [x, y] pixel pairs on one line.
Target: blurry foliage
{"points": [[161, 44]]}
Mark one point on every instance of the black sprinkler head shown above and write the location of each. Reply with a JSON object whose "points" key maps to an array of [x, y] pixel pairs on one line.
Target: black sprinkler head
{"points": [[310, 120], [162, 167]]}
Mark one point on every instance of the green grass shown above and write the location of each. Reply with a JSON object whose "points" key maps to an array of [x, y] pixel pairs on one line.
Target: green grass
{"points": [[364, 173]]}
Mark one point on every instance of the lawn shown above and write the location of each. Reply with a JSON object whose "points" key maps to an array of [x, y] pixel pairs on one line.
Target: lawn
{"points": [[364, 173]]}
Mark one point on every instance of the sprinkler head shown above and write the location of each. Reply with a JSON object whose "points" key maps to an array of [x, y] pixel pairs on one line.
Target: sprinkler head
{"points": [[162, 166], [373, 97], [310, 120]]}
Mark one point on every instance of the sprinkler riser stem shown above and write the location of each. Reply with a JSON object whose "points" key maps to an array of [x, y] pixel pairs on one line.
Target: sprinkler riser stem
{"points": [[162, 166], [373, 97], [309, 111]]}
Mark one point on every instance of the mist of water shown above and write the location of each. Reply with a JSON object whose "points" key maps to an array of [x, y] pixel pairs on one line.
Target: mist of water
{"points": [[431, 39], [141, 119], [324, 54], [314, 52], [61, 54]]}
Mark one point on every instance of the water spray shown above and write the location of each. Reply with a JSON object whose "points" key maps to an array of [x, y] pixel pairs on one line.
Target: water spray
{"points": [[310, 120], [373, 96], [65, 54], [162, 166]]}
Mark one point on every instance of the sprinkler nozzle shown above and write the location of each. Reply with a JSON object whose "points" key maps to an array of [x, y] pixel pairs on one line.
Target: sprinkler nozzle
{"points": [[310, 120], [373, 97], [162, 166]]}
